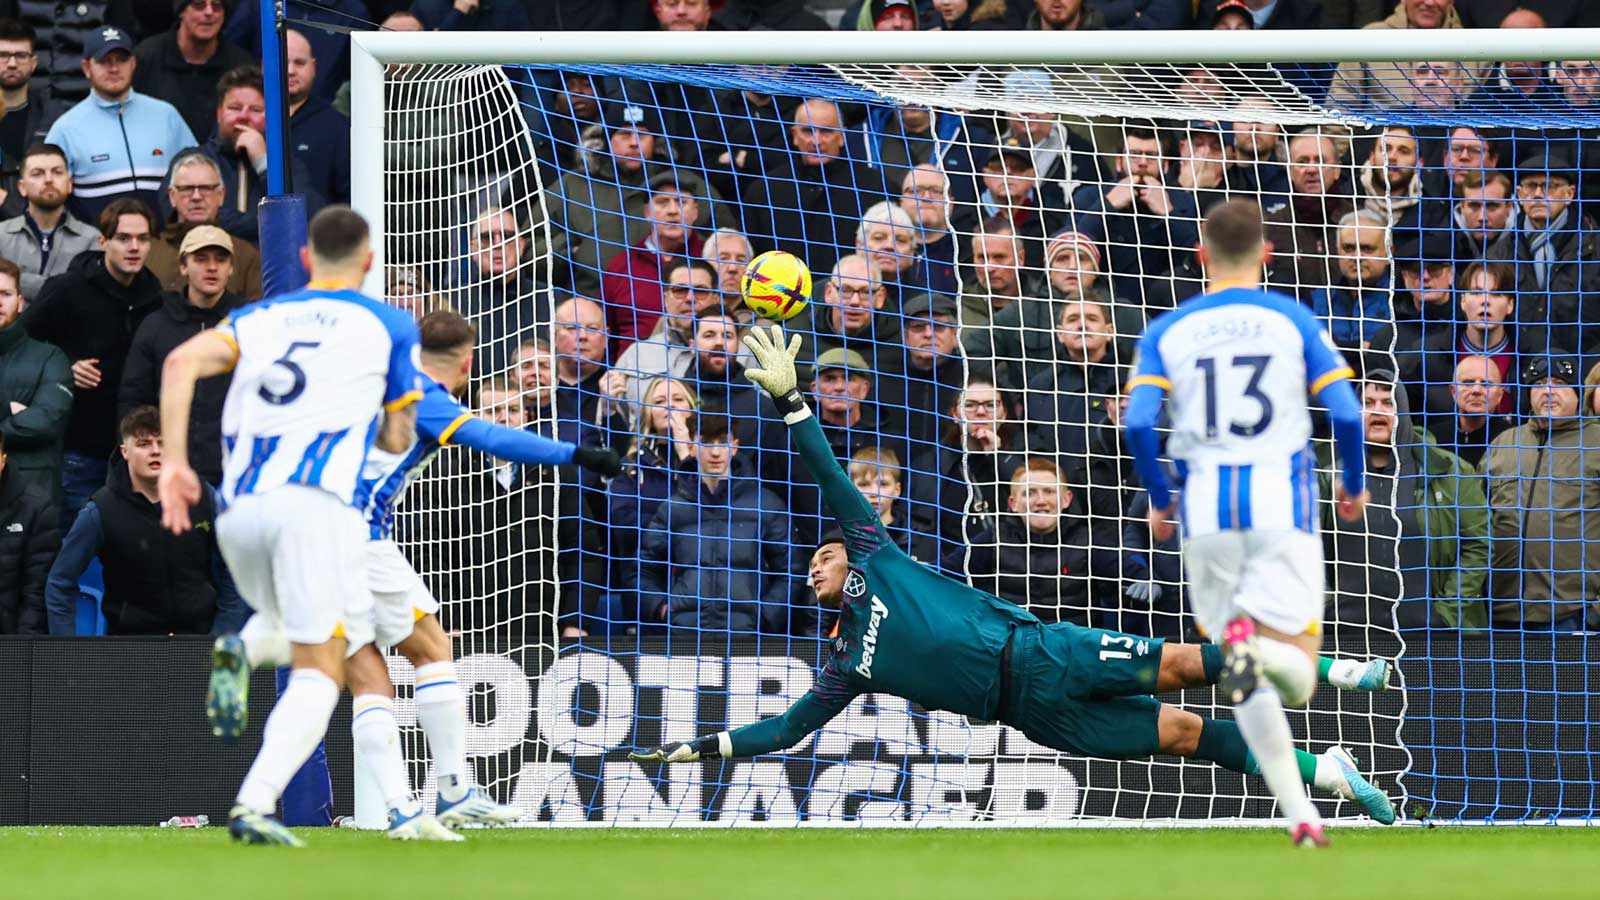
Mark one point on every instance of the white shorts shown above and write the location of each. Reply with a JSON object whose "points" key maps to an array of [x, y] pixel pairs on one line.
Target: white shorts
{"points": [[1274, 577], [399, 598], [290, 551]]}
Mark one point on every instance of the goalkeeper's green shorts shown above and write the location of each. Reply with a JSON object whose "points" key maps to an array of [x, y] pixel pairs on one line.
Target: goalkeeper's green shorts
{"points": [[1084, 690]]}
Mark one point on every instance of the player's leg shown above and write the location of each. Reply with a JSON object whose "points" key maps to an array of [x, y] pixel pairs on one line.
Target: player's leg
{"points": [[1198, 665], [377, 738], [1237, 579], [1183, 733], [442, 713]]}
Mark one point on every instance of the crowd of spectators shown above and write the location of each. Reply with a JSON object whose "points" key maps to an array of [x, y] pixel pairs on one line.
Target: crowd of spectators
{"points": [[981, 280]]}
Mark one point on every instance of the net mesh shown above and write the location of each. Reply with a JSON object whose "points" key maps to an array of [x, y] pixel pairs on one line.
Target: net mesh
{"points": [[988, 242]]}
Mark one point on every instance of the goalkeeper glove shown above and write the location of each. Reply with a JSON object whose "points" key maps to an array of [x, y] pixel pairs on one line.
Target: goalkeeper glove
{"points": [[602, 461], [776, 373], [681, 752]]}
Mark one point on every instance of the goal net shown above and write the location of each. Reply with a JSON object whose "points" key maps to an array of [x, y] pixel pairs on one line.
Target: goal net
{"points": [[988, 241]]}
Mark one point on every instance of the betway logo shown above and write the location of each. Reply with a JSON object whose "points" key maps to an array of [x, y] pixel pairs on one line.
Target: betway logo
{"points": [[869, 644]]}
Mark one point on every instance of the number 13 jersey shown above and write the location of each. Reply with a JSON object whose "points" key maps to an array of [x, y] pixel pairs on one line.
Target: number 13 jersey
{"points": [[1238, 366], [315, 370]]}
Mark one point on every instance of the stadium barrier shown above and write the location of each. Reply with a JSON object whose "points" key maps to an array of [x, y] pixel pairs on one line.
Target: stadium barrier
{"points": [[112, 732]]}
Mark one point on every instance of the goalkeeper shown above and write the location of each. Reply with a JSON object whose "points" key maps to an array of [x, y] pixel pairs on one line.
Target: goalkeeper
{"points": [[906, 630]]}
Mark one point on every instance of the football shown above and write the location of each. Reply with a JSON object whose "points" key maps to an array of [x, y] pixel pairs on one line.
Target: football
{"points": [[776, 285]]}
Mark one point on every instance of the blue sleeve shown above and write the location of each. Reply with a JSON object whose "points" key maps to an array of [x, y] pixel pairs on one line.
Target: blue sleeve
{"points": [[510, 444], [231, 609], [405, 361], [61, 589], [1146, 389]]}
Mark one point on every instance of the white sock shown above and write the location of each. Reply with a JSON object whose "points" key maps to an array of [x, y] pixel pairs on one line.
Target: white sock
{"points": [[377, 737], [1345, 673], [1266, 731], [298, 721], [1289, 669], [442, 713], [1331, 778], [265, 644]]}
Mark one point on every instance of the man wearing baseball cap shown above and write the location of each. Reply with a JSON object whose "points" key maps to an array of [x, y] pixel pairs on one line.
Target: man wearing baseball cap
{"points": [[205, 260], [1545, 506], [118, 141]]}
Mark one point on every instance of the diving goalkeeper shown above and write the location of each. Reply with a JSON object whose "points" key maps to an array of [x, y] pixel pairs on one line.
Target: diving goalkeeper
{"points": [[906, 630]]}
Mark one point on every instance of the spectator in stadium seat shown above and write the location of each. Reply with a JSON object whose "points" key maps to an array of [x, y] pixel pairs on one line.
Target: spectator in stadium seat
{"points": [[1545, 562], [29, 113], [1257, 164], [729, 253], [118, 141], [1148, 227], [46, 237], [1440, 86], [536, 375], [321, 133], [632, 284], [1146, 15], [1556, 252], [933, 369], [29, 541], [1358, 303], [1469, 151], [879, 475], [239, 147], [331, 47], [1064, 399], [996, 279], [194, 191], [1038, 555], [1394, 184], [967, 15], [1022, 339], [660, 451], [717, 371], [580, 365], [1065, 15], [61, 32], [1062, 159], [1361, 85], [1009, 190], [91, 312], [1424, 539], [811, 204], [1483, 213], [1264, 15], [1304, 233], [470, 15], [924, 197], [489, 581], [1519, 84], [669, 348], [743, 136], [206, 262], [718, 555], [900, 138], [35, 397], [500, 292], [1475, 421], [962, 482], [1426, 317], [182, 66], [887, 236], [1578, 81], [157, 583], [602, 212], [1199, 165], [568, 108], [1489, 317], [852, 314]]}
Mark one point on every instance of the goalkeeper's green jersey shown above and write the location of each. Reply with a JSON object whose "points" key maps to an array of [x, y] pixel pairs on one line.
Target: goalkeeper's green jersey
{"points": [[904, 629]]}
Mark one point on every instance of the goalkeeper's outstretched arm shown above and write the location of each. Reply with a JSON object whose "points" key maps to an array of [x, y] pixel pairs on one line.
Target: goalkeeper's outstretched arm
{"points": [[810, 712]]}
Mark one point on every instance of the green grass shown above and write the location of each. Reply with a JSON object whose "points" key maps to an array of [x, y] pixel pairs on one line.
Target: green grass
{"points": [[1223, 864]]}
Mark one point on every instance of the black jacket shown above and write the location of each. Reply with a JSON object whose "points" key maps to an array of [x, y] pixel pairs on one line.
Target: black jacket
{"points": [[1561, 312], [1046, 574], [321, 136], [28, 542], [36, 375], [812, 211], [37, 117], [60, 30], [164, 73], [163, 330], [90, 315]]}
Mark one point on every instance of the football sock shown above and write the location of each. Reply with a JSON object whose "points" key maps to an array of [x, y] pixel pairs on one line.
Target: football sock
{"points": [[1261, 721], [1289, 670], [377, 737], [1341, 673], [1221, 743], [1325, 774], [442, 713], [1211, 659], [298, 721]]}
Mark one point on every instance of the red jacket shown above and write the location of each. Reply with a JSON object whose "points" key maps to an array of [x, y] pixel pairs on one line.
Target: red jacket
{"points": [[631, 289]]}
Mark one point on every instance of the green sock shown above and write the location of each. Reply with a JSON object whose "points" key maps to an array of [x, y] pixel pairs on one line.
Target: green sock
{"points": [[1221, 743], [1211, 659], [1323, 665]]}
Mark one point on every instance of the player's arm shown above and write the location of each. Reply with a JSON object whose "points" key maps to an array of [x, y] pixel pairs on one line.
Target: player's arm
{"points": [[214, 351], [1328, 382], [403, 387], [1146, 389], [776, 375], [812, 711], [521, 446]]}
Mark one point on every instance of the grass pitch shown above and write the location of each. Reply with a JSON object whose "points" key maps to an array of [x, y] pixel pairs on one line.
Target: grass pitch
{"points": [[1223, 864]]}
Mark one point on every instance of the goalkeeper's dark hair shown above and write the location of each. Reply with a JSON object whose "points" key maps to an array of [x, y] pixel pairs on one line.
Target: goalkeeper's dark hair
{"points": [[444, 332], [336, 234], [140, 422], [709, 424], [1232, 233]]}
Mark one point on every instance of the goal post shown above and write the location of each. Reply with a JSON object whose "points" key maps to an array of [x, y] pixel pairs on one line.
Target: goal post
{"points": [[1022, 294]]}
